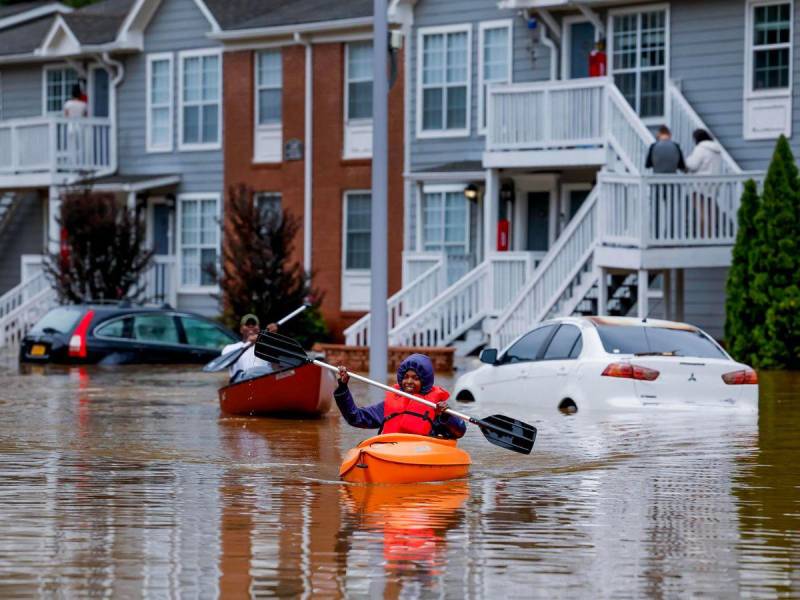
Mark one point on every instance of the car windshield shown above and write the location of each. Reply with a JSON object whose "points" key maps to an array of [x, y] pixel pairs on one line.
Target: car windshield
{"points": [[627, 339], [59, 320]]}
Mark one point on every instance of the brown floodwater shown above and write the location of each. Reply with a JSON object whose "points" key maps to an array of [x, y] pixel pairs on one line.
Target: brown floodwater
{"points": [[129, 482]]}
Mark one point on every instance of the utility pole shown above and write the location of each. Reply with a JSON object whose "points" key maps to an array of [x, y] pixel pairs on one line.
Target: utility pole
{"points": [[378, 321]]}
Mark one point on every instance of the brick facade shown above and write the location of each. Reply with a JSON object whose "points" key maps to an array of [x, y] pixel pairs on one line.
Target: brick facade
{"points": [[332, 175]]}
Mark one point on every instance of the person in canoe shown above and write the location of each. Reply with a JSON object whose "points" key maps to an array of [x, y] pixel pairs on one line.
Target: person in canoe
{"points": [[397, 414], [248, 364]]}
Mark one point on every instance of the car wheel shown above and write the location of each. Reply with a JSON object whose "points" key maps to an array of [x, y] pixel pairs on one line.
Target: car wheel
{"points": [[465, 396], [568, 406]]}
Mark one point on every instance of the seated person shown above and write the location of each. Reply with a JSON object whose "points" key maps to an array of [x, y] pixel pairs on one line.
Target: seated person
{"points": [[398, 414], [248, 364]]}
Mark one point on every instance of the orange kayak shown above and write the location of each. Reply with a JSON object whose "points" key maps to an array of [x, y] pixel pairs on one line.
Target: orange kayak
{"points": [[404, 458], [306, 390]]}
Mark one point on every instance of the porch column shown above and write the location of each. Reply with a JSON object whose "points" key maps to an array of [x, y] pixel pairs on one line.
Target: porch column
{"points": [[53, 214], [643, 294], [602, 293], [679, 296], [490, 212]]}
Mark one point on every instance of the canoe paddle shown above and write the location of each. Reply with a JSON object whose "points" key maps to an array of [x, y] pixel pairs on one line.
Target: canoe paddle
{"points": [[500, 430], [226, 360]]}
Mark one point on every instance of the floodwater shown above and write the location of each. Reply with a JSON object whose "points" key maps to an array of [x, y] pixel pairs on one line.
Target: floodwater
{"points": [[128, 482]]}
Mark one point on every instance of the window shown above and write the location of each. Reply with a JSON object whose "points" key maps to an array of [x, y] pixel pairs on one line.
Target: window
{"points": [[359, 80], [199, 240], [204, 334], [118, 328], [200, 100], [529, 346], [58, 88], [563, 343], [494, 61], [159, 102], [269, 205], [771, 46], [358, 215], [269, 87], [155, 328], [445, 221], [444, 76], [639, 56], [646, 340], [59, 320]]}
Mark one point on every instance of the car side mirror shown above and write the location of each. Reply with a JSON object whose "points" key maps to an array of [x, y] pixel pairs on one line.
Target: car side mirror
{"points": [[489, 356]]}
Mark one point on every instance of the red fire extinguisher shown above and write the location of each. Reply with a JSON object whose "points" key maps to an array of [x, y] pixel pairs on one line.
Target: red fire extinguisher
{"points": [[502, 235]]}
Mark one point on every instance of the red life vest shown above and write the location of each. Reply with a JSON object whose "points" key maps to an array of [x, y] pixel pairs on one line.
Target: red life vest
{"points": [[403, 415]]}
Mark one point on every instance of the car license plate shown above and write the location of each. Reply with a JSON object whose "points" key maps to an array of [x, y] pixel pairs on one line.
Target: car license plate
{"points": [[38, 350]]}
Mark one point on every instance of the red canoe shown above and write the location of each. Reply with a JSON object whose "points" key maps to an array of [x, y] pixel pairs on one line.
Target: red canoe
{"points": [[306, 390]]}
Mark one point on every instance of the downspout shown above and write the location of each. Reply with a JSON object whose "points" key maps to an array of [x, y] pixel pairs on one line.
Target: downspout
{"points": [[119, 75], [308, 154]]}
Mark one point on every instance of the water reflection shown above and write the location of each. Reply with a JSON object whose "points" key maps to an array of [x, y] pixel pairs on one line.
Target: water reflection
{"points": [[127, 482]]}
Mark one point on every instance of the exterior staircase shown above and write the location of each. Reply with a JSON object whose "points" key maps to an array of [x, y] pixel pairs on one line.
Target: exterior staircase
{"points": [[22, 306], [626, 209]]}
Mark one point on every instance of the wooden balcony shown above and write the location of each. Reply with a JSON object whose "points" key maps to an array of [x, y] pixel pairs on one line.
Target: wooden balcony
{"points": [[54, 150]]}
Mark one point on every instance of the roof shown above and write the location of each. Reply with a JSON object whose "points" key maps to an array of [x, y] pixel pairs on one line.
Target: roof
{"points": [[252, 14], [25, 38], [462, 166], [134, 183]]}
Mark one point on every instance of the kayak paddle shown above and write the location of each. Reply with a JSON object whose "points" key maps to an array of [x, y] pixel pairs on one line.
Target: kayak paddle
{"points": [[226, 360], [500, 430]]}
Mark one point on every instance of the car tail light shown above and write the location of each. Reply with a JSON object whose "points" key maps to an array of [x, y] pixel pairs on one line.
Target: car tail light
{"points": [[743, 377], [629, 371], [77, 343]]}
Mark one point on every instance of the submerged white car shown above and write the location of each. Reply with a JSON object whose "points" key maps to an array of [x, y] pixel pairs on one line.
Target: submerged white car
{"points": [[601, 363]]}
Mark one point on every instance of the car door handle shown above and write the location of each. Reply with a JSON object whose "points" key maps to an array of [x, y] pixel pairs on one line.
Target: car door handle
{"points": [[562, 372]]}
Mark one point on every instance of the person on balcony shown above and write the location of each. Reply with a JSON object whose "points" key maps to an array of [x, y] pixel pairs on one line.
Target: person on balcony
{"points": [[665, 155], [398, 414], [598, 61], [76, 106], [74, 109], [706, 158]]}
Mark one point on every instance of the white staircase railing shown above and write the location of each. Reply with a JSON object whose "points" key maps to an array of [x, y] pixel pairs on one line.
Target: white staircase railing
{"points": [[483, 292], [23, 305], [627, 135], [567, 258], [683, 120], [402, 304]]}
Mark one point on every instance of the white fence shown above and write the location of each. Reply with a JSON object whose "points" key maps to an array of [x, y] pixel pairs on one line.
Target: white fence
{"points": [[56, 144], [160, 281], [22, 306]]}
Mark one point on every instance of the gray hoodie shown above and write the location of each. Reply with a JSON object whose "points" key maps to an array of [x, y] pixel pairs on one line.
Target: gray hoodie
{"points": [[665, 156]]}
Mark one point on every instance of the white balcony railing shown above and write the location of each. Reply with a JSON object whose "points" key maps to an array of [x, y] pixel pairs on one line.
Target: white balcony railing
{"points": [[55, 144], [160, 281], [657, 211]]}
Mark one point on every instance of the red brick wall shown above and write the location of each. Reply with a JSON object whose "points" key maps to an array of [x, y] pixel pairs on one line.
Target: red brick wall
{"points": [[332, 175]]}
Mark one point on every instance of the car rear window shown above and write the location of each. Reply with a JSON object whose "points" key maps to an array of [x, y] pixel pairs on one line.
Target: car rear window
{"points": [[205, 334], [657, 340], [59, 320]]}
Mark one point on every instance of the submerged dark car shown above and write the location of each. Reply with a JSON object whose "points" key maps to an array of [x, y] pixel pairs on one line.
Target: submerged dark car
{"points": [[123, 334]]}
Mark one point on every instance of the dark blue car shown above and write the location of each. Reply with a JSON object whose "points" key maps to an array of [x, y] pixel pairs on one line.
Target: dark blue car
{"points": [[123, 334]]}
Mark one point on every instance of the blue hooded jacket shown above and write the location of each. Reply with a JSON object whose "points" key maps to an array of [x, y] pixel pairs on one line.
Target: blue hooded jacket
{"points": [[371, 417]]}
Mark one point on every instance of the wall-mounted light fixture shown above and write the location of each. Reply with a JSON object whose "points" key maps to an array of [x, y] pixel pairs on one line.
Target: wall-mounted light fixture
{"points": [[471, 191]]}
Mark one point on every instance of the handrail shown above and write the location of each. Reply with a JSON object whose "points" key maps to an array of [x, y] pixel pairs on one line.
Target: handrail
{"points": [[561, 84], [586, 213], [358, 333], [21, 292], [683, 136], [634, 163]]}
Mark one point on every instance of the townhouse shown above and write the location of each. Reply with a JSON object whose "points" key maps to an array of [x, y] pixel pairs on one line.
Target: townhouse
{"points": [[526, 189], [188, 97]]}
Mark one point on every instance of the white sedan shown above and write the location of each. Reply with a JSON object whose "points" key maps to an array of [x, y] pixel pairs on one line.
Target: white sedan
{"points": [[591, 363]]}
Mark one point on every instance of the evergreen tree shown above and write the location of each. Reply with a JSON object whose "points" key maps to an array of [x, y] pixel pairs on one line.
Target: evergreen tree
{"points": [[775, 261], [740, 320], [258, 274]]}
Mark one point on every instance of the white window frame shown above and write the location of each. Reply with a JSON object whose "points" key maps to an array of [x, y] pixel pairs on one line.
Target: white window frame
{"points": [[357, 132], [190, 288], [182, 56], [444, 133], [347, 82], [269, 135], [266, 193], [482, 27], [642, 8], [442, 189], [151, 58], [352, 279], [45, 70], [749, 92]]}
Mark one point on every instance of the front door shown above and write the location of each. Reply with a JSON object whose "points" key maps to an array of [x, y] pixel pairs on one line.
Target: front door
{"points": [[581, 43], [538, 222], [99, 99]]}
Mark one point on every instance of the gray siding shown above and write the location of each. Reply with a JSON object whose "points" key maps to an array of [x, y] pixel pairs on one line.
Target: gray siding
{"points": [[23, 235], [708, 51], [530, 63], [21, 89], [177, 25], [704, 300]]}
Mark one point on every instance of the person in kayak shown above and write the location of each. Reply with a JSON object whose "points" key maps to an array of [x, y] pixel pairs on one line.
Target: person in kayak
{"points": [[249, 329], [397, 414]]}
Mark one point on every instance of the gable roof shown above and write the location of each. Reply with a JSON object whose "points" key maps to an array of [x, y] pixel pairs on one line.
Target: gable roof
{"points": [[252, 14], [23, 12]]}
